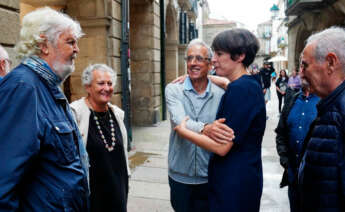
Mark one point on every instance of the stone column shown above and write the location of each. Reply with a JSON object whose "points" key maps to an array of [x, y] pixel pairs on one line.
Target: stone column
{"points": [[145, 62], [101, 23], [172, 58], [182, 66]]}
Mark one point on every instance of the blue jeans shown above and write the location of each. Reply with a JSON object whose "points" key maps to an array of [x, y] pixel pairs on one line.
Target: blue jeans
{"points": [[189, 198]]}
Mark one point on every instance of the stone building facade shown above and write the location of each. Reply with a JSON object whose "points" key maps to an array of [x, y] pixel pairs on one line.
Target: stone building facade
{"points": [[212, 27], [147, 65], [264, 35], [10, 26], [307, 17]]}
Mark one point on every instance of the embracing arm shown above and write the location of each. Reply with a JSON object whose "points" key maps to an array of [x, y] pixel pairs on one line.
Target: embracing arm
{"points": [[218, 131], [19, 140], [176, 109], [177, 113], [220, 81], [202, 140]]}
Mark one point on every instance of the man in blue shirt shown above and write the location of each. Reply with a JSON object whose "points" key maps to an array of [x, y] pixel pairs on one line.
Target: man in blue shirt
{"points": [[43, 160], [297, 115], [5, 62], [197, 98]]}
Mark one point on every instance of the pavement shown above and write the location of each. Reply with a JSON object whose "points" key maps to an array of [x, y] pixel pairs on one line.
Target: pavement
{"points": [[149, 188]]}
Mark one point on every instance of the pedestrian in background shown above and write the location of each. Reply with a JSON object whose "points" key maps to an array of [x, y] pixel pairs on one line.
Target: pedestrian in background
{"points": [[321, 176], [298, 113], [198, 98], [294, 84], [43, 160], [5, 62], [281, 87], [105, 138], [266, 72], [235, 169]]}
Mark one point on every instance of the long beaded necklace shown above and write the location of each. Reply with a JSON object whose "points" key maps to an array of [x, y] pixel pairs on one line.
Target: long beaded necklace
{"points": [[110, 147]]}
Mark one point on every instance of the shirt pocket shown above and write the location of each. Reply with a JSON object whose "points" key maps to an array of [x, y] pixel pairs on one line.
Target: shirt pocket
{"points": [[63, 140]]}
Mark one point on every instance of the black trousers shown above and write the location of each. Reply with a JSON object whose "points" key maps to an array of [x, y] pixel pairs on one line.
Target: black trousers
{"points": [[280, 101], [188, 198], [293, 198]]}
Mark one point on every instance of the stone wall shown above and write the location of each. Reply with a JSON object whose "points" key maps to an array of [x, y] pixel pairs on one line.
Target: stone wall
{"points": [[210, 31], [301, 27], [10, 26], [101, 23]]}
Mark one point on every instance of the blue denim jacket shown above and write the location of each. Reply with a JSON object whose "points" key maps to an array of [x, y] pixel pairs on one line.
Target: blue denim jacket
{"points": [[40, 146]]}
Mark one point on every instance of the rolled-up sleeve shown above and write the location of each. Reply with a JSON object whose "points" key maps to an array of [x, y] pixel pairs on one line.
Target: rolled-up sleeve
{"points": [[19, 139], [176, 109]]}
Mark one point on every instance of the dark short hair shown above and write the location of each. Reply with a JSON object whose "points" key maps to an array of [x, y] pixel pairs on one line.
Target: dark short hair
{"points": [[236, 42]]}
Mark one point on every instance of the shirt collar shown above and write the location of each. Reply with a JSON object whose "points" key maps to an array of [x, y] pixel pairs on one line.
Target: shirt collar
{"points": [[302, 96], [41, 67], [188, 86]]}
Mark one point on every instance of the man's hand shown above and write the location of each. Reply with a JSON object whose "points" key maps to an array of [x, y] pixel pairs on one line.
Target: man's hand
{"points": [[219, 132], [180, 79], [264, 90]]}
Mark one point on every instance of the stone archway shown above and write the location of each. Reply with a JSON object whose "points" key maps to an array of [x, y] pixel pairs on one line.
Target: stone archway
{"points": [[171, 52], [301, 38]]}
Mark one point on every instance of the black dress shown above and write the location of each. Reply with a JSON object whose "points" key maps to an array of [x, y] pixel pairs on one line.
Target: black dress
{"points": [[108, 170]]}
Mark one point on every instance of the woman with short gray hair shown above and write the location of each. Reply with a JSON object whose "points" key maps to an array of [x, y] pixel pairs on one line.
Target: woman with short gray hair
{"points": [[105, 137]]}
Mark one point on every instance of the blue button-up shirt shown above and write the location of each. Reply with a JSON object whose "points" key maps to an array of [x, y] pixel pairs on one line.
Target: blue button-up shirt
{"points": [[41, 162], [302, 114], [197, 99]]}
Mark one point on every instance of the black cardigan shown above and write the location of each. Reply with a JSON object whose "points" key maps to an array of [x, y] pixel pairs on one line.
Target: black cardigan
{"points": [[282, 138]]}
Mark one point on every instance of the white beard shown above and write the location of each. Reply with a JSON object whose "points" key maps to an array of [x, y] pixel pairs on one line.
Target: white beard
{"points": [[63, 70]]}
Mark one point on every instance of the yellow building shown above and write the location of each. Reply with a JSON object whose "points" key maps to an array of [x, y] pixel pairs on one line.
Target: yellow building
{"points": [[112, 27]]}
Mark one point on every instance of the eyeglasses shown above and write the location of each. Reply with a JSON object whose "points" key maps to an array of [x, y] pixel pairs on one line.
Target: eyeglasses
{"points": [[198, 58]]}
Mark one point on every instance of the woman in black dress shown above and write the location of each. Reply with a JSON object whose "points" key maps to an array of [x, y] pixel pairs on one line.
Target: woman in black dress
{"points": [[235, 177], [103, 131], [281, 86]]}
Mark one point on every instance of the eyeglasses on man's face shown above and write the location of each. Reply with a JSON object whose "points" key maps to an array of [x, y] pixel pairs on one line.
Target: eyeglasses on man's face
{"points": [[198, 58]]}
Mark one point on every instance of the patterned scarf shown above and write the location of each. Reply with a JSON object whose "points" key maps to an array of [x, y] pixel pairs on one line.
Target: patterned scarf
{"points": [[42, 68]]}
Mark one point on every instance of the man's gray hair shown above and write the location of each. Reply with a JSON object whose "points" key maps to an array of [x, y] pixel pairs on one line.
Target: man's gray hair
{"points": [[329, 40], [199, 42], [86, 77], [44, 21]]}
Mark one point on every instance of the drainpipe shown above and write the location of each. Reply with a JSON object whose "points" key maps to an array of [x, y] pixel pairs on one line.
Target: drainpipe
{"points": [[124, 71], [162, 30]]}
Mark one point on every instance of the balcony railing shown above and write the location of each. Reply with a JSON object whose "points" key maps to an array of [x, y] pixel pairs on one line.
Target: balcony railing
{"points": [[296, 7]]}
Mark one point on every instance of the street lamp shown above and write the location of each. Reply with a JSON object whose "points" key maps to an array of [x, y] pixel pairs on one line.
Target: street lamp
{"points": [[275, 11]]}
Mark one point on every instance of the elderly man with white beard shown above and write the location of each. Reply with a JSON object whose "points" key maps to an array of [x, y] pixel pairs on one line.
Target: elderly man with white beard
{"points": [[43, 164]]}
